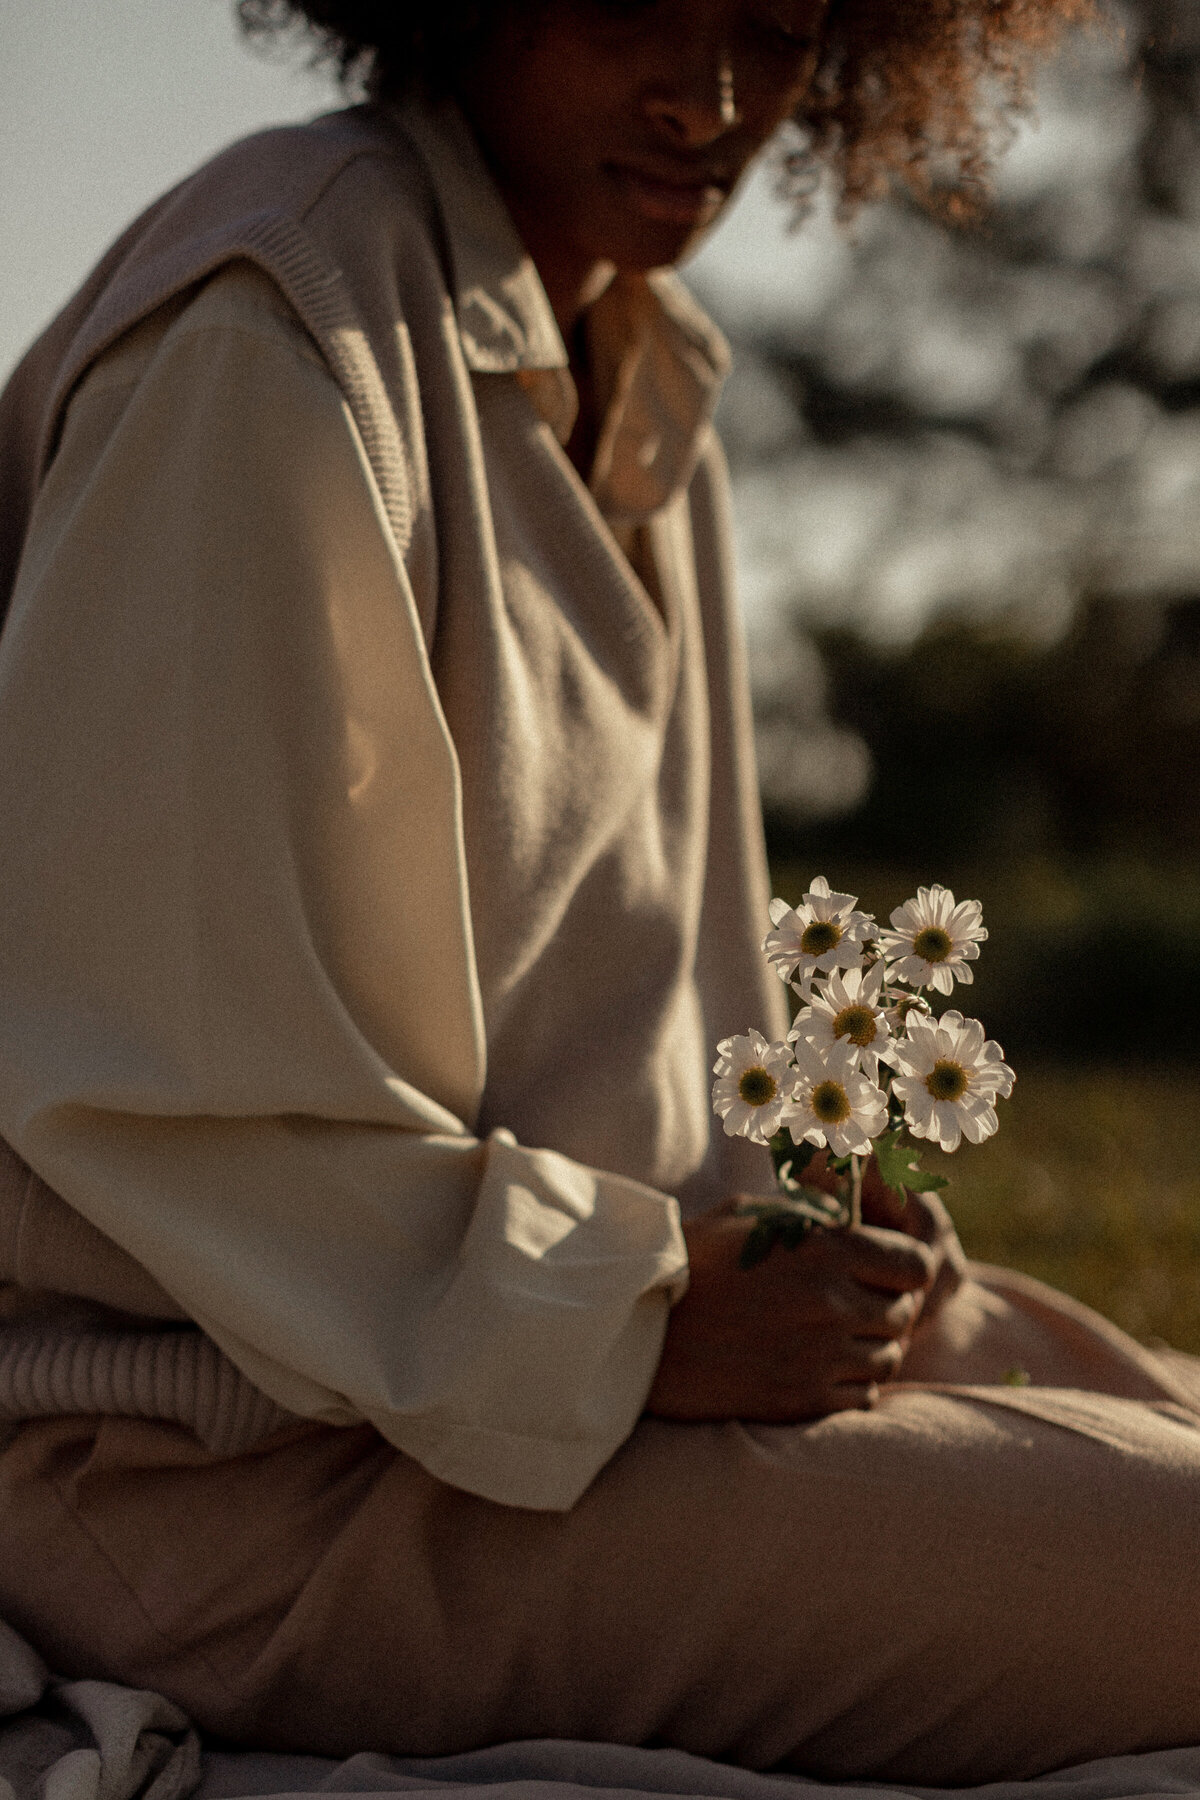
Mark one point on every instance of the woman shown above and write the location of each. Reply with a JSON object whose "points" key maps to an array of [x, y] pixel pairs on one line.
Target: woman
{"points": [[382, 864]]}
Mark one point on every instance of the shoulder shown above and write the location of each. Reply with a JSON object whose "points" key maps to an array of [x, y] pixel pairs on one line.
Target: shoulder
{"points": [[237, 328], [338, 194], [315, 209], [287, 170], [223, 379], [334, 215], [239, 299]]}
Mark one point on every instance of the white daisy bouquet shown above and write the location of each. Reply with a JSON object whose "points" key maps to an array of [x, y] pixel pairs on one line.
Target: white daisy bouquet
{"points": [[868, 1065]]}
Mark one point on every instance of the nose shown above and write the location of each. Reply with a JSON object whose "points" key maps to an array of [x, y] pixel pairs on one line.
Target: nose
{"points": [[697, 104]]}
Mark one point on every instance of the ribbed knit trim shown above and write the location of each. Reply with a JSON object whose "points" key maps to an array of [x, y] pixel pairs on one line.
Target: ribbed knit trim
{"points": [[318, 292], [16, 1186], [179, 1376]]}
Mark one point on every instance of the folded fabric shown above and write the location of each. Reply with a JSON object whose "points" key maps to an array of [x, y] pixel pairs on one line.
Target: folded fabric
{"points": [[94, 1740]]}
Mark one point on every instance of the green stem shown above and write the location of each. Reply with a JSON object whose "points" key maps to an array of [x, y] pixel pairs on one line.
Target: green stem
{"points": [[856, 1181]]}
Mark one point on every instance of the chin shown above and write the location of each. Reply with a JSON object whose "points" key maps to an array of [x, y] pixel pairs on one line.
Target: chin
{"points": [[648, 229], [643, 245]]}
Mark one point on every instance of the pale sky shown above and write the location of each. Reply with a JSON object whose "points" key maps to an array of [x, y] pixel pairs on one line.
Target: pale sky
{"points": [[103, 103]]}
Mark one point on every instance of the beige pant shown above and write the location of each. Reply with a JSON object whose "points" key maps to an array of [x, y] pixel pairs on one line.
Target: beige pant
{"points": [[962, 1585]]}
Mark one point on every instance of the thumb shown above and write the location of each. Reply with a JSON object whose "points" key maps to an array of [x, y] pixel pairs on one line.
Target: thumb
{"points": [[881, 1204]]}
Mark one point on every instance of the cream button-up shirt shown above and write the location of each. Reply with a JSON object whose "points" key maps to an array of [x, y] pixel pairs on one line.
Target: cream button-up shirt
{"points": [[218, 798]]}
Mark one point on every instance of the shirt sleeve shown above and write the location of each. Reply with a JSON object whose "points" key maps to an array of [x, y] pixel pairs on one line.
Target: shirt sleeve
{"points": [[241, 1020]]}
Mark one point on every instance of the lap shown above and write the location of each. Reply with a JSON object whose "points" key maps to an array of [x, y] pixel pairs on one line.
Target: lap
{"points": [[968, 1582]]}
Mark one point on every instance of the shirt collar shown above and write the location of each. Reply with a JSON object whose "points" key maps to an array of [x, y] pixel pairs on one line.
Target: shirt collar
{"points": [[660, 362], [505, 320]]}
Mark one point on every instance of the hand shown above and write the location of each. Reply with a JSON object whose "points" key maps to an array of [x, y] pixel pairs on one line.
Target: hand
{"points": [[804, 1333], [923, 1217]]}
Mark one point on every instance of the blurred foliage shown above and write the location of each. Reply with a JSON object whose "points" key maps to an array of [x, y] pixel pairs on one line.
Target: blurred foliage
{"points": [[1003, 415], [1003, 421], [1058, 784], [985, 743]]}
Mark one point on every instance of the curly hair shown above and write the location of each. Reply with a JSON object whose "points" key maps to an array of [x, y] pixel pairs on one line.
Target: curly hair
{"points": [[907, 92]]}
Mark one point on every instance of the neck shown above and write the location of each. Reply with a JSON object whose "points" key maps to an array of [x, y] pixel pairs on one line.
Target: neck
{"points": [[573, 281]]}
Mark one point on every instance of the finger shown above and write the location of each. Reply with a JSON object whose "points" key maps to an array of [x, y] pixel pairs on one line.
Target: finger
{"points": [[921, 1219], [877, 1314], [881, 1204], [853, 1396], [950, 1277], [892, 1260], [929, 1221], [926, 1218], [922, 1216], [870, 1361]]}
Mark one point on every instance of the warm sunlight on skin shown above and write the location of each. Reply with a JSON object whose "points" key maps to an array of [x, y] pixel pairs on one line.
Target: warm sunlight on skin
{"points": [[647, 111]]}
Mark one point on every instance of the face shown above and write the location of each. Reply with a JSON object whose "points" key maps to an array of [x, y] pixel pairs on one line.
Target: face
{"points": [[617, 129]]}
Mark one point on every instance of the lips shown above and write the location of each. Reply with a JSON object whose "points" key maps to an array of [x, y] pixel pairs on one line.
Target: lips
{"points": [[677, 199]]}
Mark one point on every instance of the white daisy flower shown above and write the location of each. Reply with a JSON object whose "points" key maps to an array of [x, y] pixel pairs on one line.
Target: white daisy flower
{"points": [[948, 1078], [753, 1089], [932, 940], [824, 932], [836, 1105], [847, 1007]]}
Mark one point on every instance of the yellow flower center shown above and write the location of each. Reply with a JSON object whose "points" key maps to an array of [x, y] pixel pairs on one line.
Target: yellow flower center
{"points": [[933, 944], [757, 1086], [820, 936], [829, 1102], [947, 1081], [856, 1023]]}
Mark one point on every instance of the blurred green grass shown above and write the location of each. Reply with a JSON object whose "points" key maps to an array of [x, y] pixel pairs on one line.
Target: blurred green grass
{"points": [[1093, 1184]]}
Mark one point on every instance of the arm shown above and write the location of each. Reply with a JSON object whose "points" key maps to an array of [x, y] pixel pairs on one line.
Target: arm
{"points": [[241, 1031]]}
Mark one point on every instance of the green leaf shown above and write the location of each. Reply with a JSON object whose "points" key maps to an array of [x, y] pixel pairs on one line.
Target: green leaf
{"points": [[790, 1159], [759, 1244], [787, 1222], [899, 1168]]}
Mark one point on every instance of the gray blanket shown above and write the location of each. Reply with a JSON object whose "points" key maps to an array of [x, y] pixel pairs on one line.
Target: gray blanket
{"points": [[92, 1740]]}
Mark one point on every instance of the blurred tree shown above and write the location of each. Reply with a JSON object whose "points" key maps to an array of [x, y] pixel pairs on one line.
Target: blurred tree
{"points": [[987, 743], [1060, 784], [1001, 416], [968, 484]]}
